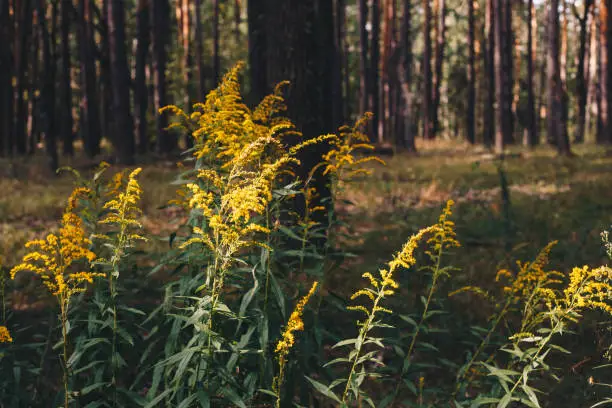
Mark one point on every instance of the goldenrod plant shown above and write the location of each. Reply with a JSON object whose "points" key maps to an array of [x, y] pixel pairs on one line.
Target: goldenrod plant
{"points": [[55, 260]]}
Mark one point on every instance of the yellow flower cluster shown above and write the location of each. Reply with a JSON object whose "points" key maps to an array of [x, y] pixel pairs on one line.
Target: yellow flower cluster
{"points": [[294, 324], [341, 159], [123, 206], [5, 336], [52, 258], [590, 288], [444, 236], [385, 284], [531, 277]]}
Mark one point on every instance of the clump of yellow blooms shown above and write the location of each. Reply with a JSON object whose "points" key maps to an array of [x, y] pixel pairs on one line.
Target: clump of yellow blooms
{"points": [[52, 258], [5, 336], [283, 347], [341, 159], [294, 324], [444, 236], [122, 212], [590, 288]]}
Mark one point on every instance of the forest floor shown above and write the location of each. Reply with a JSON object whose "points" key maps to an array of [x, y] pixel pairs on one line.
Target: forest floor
{"points": [[550, 198]]}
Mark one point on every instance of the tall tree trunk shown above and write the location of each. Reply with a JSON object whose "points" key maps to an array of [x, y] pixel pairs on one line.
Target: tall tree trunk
{"points": [[201, 89], [405, 77], [106, 94], [426, 104], [90, 119], [605, 34], [6, 83], [532, 127], [337, 95], [237, 20], [141, 92], [489, 63], [500, 80], [124, 126], [375, 71], [291, 32], [440, 34], [591, 74], [166, 141], [216, 56], [509, 67], [48, 90], [471, 77], [66, 89], [582, 72], [24, 23], [555, 116], [364, 64]]}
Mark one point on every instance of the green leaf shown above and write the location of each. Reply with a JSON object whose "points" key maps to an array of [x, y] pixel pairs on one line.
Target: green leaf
{"points": [[324, 390]]}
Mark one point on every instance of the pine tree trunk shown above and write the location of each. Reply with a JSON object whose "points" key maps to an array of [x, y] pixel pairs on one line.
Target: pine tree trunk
{"points": [[440, 34], [426, 104], [6, 83], [24, 15], [216, 56], [337, 95], [364, 65], [605, 32], [66, 90], [166, 141], [123, 132], [201, 89], [489, 63], [48, 90], [90, 119], [532, 127], [500, 79], [555, 119], [471, 77], [582, 72], [141, 100], [405, 77], [374, 71]]}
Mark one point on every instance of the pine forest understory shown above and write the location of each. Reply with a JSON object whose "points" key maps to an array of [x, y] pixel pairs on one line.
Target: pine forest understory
{"points": [[305, 203]]}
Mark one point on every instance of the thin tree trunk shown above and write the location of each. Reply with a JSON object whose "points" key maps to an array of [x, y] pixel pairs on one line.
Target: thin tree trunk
{"points": [[489, 63], [500, 118], [6, 83], [426, 104], [582, 72], [440, 34], [337, 95], [141, 92], [364, 65], [532, 127], [166, 141], [471, 76], [66, 89], [48, 91], [375, 71], [124, 126], [216, 56], [90, 120], [605, 32], [555, 120], [405, 77], [237, 20], [201, 90], [24, 13]]}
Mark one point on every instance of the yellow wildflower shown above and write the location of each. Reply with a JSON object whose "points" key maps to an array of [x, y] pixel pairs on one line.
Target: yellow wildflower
{"points": [[590, 288], [5, 336], [294, 324], [52, 258], [445, 236]]}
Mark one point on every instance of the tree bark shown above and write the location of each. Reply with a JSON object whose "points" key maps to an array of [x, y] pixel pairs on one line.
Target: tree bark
{"points": [[374, 70], [90, 119], [555, 119], [201, 89], [66, 89], [166, 141], [6, 83], [532, 127], [24, 24], [605, 34], [582, 71], [364, 65], [405, 77], [440, 34], [141, 100], [124, 125], [489, 64], [471, 77], [216, 56], [426, 104]]}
